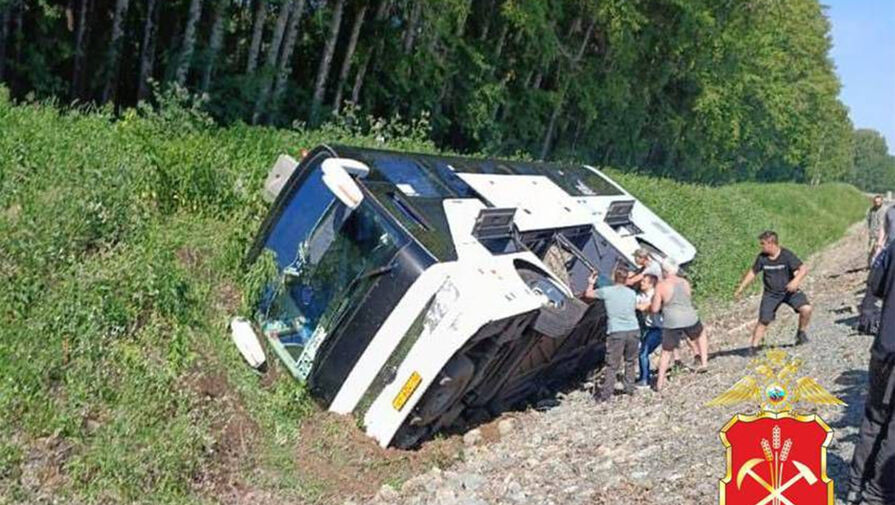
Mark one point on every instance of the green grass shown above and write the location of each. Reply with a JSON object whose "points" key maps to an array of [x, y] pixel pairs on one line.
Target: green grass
{"points": [[120, 259]]}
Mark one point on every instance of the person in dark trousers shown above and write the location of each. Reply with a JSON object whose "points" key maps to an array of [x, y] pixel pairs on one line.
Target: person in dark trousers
{"points": [[782, 273], [651, 334], [872, 472], [623, 331], [886, 233]]}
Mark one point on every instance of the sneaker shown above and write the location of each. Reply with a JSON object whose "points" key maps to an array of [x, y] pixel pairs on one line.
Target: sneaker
{"points": [[642, 384], [801, 338]]}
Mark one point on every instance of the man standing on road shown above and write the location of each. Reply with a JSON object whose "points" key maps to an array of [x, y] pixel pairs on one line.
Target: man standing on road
{"points": [[872, 472], [623, 331], [875, 218], [782, 272]]}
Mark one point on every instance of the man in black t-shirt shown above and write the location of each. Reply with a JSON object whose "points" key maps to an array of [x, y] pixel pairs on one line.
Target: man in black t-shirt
{"points": [[782, 272]]}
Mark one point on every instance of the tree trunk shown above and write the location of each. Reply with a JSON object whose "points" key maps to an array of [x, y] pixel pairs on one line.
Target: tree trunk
{"points": [[189, 42], [214, 43], [551, 126], [381, 12], [349, 54], [4, 30], [272, 52], [326, 61], [147, 50], [114, 50], [412, 27], [284, 68], [501, 40], [80, 37], [257, 35]]}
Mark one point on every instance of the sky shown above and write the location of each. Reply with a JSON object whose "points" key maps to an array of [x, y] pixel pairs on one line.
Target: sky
{"points": [[864, 54]]}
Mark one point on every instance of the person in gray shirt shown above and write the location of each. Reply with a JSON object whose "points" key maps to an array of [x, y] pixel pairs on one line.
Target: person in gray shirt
{"points": [[623, 330]]}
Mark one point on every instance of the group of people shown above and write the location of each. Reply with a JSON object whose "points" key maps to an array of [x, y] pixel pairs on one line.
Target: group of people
{"points": [[652, 306], [663, 300]]}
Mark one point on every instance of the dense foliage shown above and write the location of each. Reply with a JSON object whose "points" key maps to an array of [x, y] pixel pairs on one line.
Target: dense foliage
{"points": [[874, 166], [121, 244], [704, 90]]}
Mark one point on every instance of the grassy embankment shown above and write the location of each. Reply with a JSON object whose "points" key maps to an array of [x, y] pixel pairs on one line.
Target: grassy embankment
{"points": [[120, 249]]}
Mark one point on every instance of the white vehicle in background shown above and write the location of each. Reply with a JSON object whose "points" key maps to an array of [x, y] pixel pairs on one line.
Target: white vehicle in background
{"points": [[422, 293]]}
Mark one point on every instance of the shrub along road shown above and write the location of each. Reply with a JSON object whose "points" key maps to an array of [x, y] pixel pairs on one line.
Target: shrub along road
{"points": [[664, 448]]}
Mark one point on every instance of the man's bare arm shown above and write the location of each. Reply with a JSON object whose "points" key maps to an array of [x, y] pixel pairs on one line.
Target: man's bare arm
{"points": [[747, 279], [591, 292], [796, 281], [656, 304]]}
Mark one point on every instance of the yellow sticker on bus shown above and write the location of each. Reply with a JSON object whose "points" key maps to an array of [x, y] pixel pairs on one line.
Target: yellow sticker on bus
{"points": [[409, 387]]}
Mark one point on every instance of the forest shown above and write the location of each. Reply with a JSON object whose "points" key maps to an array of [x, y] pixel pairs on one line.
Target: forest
{"points": [[700, 90]]}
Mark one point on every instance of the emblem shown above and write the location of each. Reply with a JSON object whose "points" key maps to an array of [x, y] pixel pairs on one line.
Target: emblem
{"points": [[777, 456]]}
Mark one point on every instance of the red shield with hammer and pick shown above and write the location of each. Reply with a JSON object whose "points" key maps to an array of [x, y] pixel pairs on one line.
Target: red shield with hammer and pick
{"points": [[776, 459]]}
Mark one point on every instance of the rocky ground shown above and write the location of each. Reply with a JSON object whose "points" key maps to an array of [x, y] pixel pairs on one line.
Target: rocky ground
{"points": [[662, 448]]}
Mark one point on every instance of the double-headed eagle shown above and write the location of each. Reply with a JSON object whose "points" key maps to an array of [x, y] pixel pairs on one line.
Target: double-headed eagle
{"points": [[775, 387]]}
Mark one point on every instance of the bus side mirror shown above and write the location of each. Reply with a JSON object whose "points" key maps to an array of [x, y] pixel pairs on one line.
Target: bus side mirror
{"points": [[338, 180]]}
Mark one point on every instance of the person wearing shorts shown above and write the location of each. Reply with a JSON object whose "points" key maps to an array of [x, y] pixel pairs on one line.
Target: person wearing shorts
{"points": [[680, 321], [782, 273]]}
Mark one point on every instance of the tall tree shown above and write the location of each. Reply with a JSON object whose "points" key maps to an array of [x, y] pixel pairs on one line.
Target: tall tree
{"points": [[326, 60], [257, 35], [4, 30], [273, 52], [215, 40], [114, 51], [412, 27], [565, 76], [189, 42], [81, 32], [381, 12], [349, 53], [147, 49], [284, 67]]}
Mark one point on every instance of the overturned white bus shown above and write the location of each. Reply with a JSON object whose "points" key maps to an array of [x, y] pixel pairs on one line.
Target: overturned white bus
{"points": [[422, 292]]}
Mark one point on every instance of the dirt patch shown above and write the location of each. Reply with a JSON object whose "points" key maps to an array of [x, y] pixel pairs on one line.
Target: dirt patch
{"points": [[189, 257], [42, 469], [233, 434], [343, 462], [227, 298]]}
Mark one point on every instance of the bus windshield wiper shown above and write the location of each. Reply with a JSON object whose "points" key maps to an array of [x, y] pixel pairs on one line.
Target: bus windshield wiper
{"points": [[376, 272]]}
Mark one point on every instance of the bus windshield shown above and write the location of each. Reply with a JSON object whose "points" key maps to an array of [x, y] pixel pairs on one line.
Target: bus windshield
{"points": [[327, 261]]}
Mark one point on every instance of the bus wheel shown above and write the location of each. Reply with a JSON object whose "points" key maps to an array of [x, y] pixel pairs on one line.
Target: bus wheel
{"points": [[448, 387]]}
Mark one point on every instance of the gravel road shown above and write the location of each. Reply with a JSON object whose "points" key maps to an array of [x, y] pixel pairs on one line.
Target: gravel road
{"points": [[662, 448]]}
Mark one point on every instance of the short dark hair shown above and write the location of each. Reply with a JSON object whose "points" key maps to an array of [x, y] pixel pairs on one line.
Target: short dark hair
{"points": [[877, 196], [651, 277], [620, 275], [769, 236]]}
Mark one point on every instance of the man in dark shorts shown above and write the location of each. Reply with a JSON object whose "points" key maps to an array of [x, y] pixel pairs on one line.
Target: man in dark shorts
{"points": [[782, 272]]}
